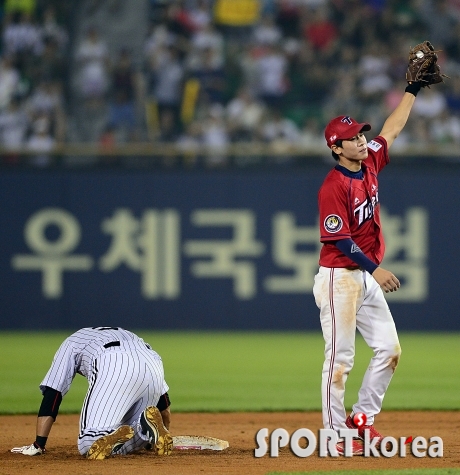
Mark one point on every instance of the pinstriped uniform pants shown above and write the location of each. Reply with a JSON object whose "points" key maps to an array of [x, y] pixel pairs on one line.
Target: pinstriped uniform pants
{"points": [[123, 384]]}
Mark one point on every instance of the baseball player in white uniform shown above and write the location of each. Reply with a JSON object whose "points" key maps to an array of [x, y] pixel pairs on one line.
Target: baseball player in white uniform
{"points": [[126, 407]]}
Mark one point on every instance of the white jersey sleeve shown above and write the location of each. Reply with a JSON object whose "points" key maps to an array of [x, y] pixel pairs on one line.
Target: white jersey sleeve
{"points": [[62, 370]]}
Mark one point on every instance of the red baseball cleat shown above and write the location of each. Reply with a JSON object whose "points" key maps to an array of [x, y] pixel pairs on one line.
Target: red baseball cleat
{"points": [[373, 433], [357, 447]]}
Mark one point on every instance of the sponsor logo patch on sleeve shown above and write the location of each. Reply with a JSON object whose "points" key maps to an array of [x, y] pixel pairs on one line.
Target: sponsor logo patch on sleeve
{"points": [[375, 146], [333, 223]]}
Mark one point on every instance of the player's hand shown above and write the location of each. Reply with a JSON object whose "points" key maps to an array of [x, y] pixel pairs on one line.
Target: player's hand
{"points": [[386, 279], [28, 450]]}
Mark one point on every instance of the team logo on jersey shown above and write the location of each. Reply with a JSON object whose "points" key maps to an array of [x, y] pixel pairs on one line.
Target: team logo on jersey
{"points": [[333, 223], [375, 146], [356, 201], [365, 210]]}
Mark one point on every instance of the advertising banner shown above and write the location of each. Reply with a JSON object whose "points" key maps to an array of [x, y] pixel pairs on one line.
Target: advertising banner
{"points": [[208, 250]]}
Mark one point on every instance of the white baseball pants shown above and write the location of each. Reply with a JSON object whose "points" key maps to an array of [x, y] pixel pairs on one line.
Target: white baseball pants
{"points": [[350, 300]]}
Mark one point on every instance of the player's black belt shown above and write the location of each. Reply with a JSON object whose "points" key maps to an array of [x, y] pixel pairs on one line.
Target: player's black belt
{"points": [[112, 343]]}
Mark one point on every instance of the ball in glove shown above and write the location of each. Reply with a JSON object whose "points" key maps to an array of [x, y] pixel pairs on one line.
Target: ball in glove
{"points": [[423, 65]]}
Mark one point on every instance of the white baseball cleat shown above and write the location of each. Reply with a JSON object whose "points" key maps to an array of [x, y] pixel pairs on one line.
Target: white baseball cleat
{"points": [[28, 450]]}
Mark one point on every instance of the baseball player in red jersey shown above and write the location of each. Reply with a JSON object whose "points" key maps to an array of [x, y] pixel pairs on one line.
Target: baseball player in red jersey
{"points": [[348, 287]]}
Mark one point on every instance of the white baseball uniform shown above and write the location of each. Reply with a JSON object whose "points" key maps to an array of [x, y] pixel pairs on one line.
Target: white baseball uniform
{"points": [[124, 374]]}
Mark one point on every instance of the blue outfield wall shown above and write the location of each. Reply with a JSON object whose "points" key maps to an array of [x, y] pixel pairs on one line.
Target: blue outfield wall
{"points": [[208, 250]]}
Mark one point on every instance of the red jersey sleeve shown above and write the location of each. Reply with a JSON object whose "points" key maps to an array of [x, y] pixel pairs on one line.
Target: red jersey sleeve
{"points": [[378, 153]]}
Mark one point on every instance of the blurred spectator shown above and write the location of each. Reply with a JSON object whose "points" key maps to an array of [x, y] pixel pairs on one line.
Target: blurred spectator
{"points": [[206, 39], [14, 124], [430, 104], [439, 21], [288, 17], [179, 21], [311, 135], [244, 116], [416, 132], [52, 32], [319, 29], [215, 138], [158, 39], [373, 69], [41, 141], [123, 93], [22, 37], [266, 32], [394, 95], [165, 77], [189, 143], [446, 129], [309, 79], [211, 76], [343, 98], [283, 136], [49, 66], [277, 128], [419, 132], [200, 14], [93, 58], [47, 100], [9, 81], [271, 69]]}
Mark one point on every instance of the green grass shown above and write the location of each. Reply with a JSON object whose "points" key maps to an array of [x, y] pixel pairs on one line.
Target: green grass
{"points": [[248, 371], [413, 471]]}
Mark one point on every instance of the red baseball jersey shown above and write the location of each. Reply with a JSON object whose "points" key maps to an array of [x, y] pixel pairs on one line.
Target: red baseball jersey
{"points": [[349, 208]]}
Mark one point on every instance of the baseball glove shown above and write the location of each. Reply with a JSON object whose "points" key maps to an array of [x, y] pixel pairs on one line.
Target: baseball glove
{"points": [[423, 66]]}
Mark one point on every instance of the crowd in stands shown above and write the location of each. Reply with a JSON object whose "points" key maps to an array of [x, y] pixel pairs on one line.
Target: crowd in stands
{"points": [[215, 73], [33, 71]]}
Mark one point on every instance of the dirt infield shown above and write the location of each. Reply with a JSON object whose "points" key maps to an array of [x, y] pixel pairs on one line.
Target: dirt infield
{"points": [[239, 430]]}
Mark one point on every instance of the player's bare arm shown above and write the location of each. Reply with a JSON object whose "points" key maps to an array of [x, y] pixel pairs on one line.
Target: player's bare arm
{"points": [[397, 119], [386, 279]]}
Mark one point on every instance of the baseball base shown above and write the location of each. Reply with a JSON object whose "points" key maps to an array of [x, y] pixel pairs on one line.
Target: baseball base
{"points": [[198, 442]]}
